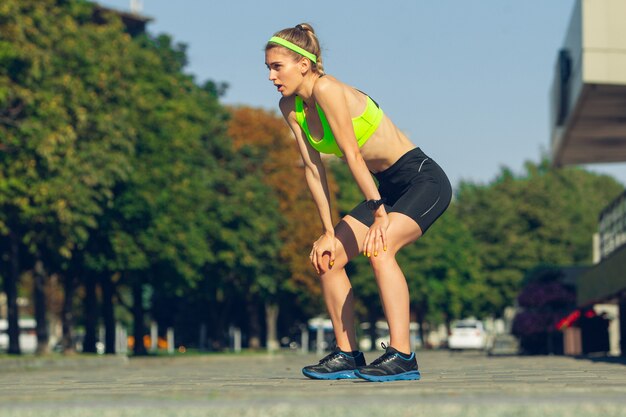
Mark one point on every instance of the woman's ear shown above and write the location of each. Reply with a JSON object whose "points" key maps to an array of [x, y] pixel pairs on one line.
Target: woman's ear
{"points": [[305, 65]]}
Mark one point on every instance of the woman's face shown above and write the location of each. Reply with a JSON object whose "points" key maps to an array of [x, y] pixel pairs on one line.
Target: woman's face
{"points": [[285, 72]]}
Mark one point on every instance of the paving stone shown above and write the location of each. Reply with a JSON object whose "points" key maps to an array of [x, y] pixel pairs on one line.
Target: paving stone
{"points": [[462, 384]]}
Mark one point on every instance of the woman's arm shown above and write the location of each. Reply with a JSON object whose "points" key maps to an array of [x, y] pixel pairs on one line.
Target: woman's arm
{"points": [[315, 175], [331, 98], [314, 170]]}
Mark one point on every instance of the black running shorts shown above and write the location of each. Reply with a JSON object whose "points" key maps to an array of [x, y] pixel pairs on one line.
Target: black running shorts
{"points": [[415, 186]]}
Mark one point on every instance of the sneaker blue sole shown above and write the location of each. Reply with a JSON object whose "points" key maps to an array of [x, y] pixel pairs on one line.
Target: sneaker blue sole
{"points": [[331, 375], [406, 376]]}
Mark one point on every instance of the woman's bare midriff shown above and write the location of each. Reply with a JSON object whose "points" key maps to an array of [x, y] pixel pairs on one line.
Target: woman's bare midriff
{"points": [[385, 147]]}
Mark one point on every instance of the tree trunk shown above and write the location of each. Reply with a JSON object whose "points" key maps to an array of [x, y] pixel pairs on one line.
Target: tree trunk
{"points": [[39, 295], [138, 319], [91, 314], [67, 317], [271, 321], [421, 313], [108, 314], [219, 315], [10, 288], [372, 330], [254, 325]]}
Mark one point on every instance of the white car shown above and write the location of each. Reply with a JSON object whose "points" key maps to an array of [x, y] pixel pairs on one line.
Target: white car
{"points": [[28, 335], [467, 334]]}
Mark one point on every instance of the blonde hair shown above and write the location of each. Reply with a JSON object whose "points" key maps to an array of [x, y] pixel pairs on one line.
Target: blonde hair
{"points": [[304, 36]]}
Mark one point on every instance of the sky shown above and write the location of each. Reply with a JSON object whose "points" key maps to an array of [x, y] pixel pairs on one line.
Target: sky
{"points": [[467, 80]]}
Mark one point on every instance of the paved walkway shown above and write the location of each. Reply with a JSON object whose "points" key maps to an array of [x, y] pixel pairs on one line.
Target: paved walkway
{"points": [[467, 384]]}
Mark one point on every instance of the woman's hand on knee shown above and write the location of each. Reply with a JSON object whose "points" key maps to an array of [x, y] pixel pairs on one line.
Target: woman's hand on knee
{"points": [[376, 237], [322, 255]]}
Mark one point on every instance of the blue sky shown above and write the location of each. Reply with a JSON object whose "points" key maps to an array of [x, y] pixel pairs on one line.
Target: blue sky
{"points": [[468, 81]]}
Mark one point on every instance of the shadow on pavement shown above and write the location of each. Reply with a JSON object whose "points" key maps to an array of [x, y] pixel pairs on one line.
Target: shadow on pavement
{"points": [[619, 360]]}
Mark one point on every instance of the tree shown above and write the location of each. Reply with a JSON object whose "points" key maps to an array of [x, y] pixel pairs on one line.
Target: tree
{"points": [[155, 232], [544, 299], [545, 216], [112, 161], [62, 122], [444, 272]]}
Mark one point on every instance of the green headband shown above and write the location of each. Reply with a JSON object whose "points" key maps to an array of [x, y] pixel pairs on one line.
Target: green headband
{"points": [[293, 47]]}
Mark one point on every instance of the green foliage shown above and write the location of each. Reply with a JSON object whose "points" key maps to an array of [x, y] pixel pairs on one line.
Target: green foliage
{"points": [[545, 216], [247, 231], [112, 156], [444, 272], [63, 121], [112, 160]]}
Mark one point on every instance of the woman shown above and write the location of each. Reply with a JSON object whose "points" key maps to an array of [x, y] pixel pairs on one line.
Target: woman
{"points": [[328, 116]]}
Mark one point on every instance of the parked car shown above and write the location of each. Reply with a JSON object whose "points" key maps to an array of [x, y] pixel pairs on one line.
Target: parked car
{"points": [[467, 334], [28, 335]]}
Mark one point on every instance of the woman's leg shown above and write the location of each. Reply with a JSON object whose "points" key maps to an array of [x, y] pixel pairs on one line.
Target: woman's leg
{"points": [[336, 286], [394, 292]]}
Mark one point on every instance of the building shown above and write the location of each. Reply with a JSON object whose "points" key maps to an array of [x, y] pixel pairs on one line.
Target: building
{"points": [[134, 22], [589, 126]]}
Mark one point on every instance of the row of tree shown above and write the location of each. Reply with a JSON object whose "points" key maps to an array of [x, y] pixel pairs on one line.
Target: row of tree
{"points": [[116, 173], [131, 186]]}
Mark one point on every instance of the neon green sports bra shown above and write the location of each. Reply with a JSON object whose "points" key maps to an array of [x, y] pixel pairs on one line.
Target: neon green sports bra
{"points": [[364, 126]]}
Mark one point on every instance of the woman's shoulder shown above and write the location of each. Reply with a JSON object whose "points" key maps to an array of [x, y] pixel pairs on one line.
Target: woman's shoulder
{"points": [[327, 84], [287, 104]]}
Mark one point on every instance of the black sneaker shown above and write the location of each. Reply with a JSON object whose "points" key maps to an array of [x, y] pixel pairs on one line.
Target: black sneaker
{"points": [[391, 366], [335, 365]]}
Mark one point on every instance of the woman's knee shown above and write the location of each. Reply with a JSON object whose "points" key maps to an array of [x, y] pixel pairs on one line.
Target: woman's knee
{"points": [[348, 234], [381, 260], [326, 269]]}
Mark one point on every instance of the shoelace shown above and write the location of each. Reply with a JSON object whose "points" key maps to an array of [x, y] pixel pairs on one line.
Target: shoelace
{"points": [[331, 356], [387, 356]]}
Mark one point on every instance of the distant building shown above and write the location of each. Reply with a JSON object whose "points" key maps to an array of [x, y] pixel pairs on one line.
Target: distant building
{"points": [[134, 22], [589, 126]]}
